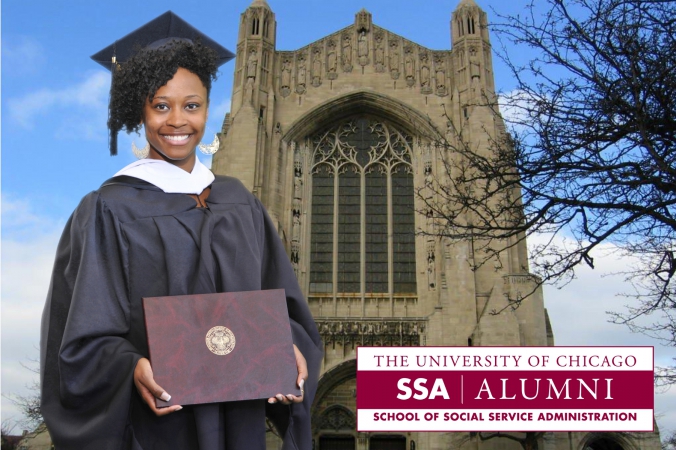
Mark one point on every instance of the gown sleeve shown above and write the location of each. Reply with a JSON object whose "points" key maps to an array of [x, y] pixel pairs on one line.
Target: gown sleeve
{"points": [[87, 363], [293, 422]]}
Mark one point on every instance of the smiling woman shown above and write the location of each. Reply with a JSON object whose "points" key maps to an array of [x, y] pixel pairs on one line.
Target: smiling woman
{"points": [[162, 226], [175, 118]]}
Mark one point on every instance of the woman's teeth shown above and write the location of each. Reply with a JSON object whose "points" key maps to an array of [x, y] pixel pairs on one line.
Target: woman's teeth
{"points": [[176, 138]]}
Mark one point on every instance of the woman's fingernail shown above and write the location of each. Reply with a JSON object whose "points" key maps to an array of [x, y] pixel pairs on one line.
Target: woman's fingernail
{"points": [[280, 397], [300, 385], [290, 397], [166, 397], [272, 400], [179, 408]]}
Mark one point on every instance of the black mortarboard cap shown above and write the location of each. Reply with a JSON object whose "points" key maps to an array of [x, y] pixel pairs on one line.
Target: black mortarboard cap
{"points": [[153, 34]]}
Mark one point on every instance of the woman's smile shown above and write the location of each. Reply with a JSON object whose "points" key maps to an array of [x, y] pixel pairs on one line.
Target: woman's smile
{"points": [[179, 139], [175, 118]]}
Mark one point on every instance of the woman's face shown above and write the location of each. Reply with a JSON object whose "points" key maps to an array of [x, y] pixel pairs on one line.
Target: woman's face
{"points": [[175, 119]]}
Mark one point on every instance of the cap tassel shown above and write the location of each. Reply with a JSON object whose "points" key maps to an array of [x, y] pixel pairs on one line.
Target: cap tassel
{"points": [[112, 134], [112, 141]]}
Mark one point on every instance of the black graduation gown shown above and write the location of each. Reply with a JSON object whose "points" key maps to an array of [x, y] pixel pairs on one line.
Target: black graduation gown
{"points": [[130, 240]]}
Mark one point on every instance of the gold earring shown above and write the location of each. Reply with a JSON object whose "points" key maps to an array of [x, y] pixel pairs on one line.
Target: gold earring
{"points": [[140, 153], [210, 149]]}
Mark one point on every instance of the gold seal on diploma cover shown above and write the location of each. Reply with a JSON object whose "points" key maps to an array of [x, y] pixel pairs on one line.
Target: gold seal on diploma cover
{"points": [[220, 340]]}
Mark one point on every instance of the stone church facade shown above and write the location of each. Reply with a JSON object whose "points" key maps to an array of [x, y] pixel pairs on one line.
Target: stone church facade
{"points": [[337, 139]]}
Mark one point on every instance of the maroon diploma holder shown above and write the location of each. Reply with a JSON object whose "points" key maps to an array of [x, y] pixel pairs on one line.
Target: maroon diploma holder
{"points": [[210, 348]]}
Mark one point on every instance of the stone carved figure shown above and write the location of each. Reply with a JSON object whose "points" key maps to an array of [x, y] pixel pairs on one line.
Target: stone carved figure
{"points": [[332, 61], [316, 67], [440, 76], [285, 84], [362, 45], [409, 67], [297, 188], [380, 53], [363, 48], [252, 64], [425, 85], [295, 259], [295, 234], [298, 162], [347, 53], [301, 75], [394, 59]]}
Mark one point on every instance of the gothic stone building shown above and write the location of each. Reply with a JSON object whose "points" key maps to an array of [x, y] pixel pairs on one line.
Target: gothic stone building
{"points": [[336, 138]]}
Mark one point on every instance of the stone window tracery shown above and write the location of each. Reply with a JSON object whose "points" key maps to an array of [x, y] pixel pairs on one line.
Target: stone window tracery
{"points": [[362, 233], [337, 417]]}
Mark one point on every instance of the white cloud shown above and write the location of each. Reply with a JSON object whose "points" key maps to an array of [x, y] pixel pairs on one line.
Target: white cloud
{"points": [[16, 213], [516, 108], [22, 55], [28, 248], [21, 223], [90, 95]]}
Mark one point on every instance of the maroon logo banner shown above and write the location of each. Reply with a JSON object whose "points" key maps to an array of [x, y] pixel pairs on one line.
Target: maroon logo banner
{"points": [[505, 389]]}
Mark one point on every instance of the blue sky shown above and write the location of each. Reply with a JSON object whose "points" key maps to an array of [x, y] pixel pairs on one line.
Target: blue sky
{"points": [[54, 143]]}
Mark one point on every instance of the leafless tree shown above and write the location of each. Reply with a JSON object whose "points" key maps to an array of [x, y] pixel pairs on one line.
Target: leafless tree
{"points": [[29, 404], [588, 156]]}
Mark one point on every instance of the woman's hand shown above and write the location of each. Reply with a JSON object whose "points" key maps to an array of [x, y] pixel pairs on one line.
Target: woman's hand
{"points": [[149, 390], [301, 364]]}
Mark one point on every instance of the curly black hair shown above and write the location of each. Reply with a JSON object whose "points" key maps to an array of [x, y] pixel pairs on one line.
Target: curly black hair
{"points": [[143, 74]]}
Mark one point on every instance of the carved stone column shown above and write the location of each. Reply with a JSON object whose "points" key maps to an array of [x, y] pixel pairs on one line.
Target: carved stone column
{"points": [[297, 206]]}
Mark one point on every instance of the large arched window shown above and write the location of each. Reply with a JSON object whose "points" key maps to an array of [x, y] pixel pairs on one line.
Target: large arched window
{"points": [[362, 233]]}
